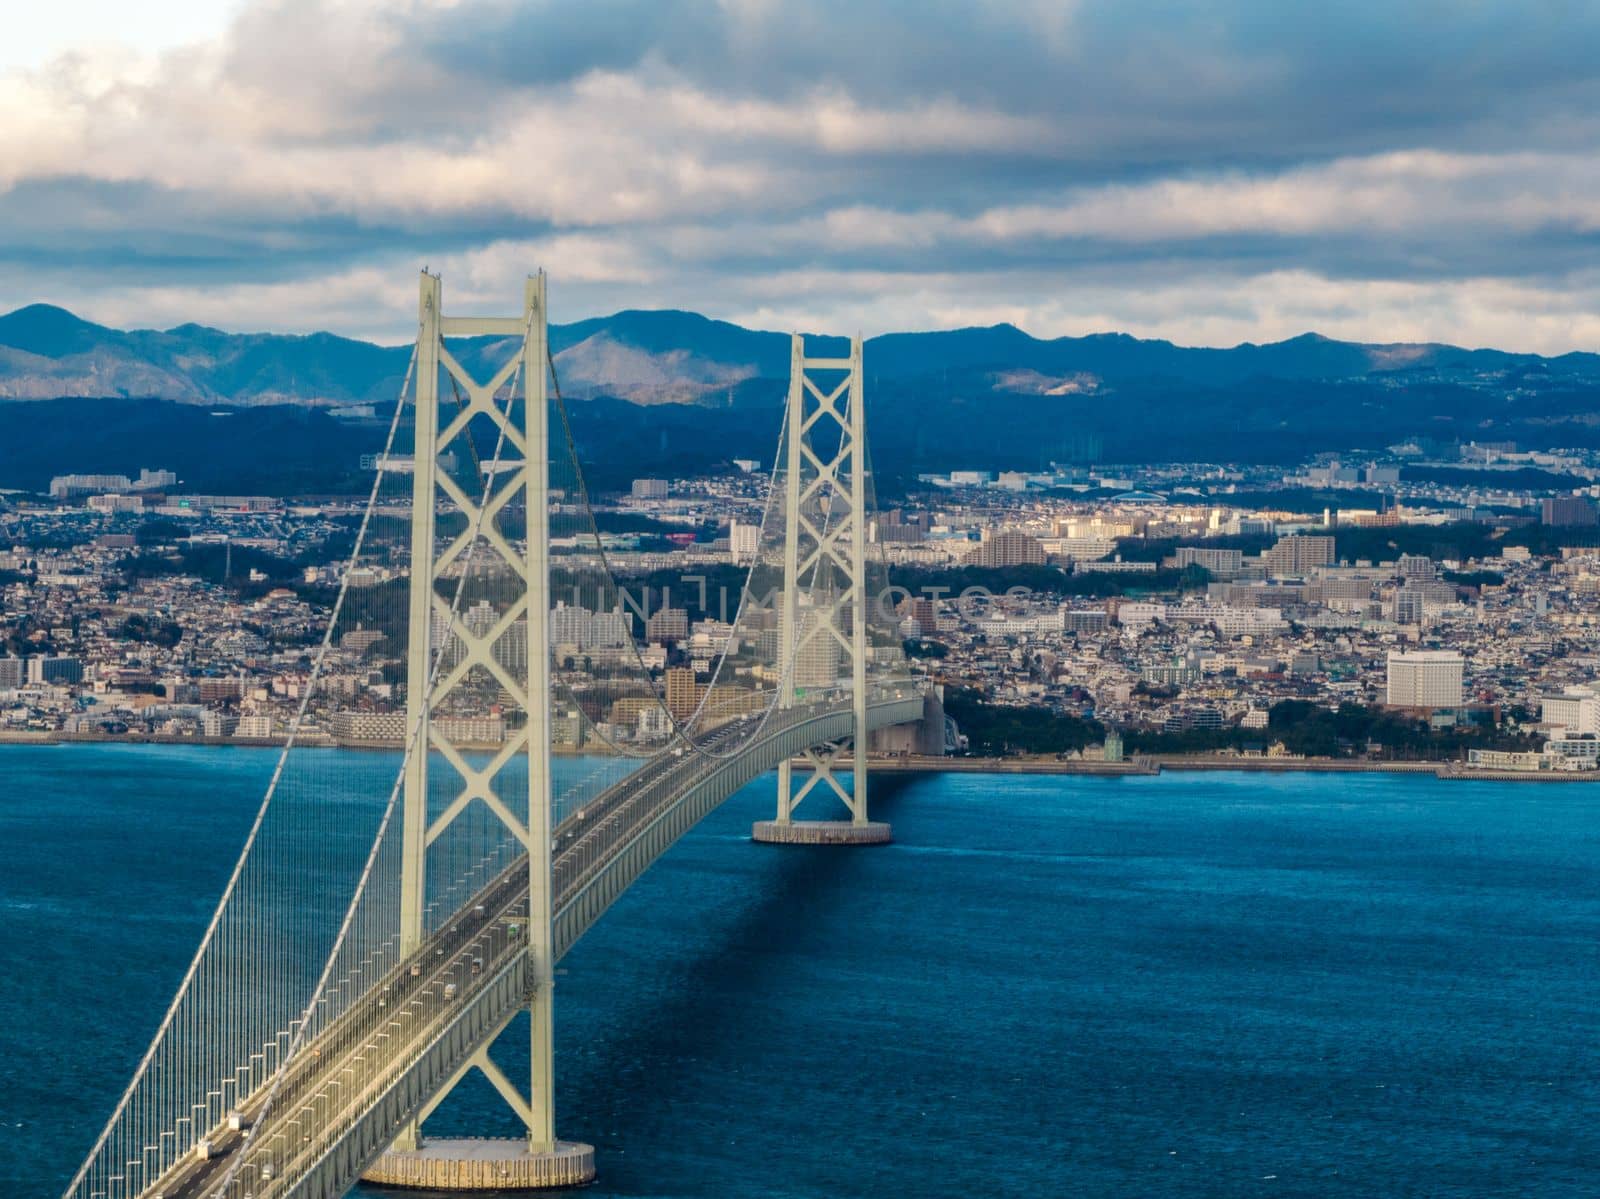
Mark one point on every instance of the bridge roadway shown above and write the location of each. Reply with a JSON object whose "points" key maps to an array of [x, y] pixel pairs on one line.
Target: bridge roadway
{"points": [[351, 1089]]}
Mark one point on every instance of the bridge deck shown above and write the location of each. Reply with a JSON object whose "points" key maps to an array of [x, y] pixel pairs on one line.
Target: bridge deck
{"points": [[347, 1092]]}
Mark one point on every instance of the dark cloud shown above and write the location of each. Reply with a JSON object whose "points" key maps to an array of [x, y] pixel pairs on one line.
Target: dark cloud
{"points": [[1131, 85], [1047, 161], [545, 44]]}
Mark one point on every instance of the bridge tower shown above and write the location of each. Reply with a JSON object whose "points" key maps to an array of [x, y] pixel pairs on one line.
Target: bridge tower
{"points": [[823, 625], [522, 468]]}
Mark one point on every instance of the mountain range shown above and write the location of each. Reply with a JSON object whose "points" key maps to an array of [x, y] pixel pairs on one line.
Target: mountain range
{"points": [[667, 391], [669, 356]]}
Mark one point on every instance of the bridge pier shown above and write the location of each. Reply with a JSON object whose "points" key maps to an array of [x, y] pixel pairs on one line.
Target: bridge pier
{"points": [[858, 830], [820, 832], [473, 1164]]}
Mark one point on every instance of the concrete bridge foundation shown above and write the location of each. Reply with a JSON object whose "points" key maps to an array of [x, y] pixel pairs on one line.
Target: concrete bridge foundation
{"points": [[483, 1165], [820, 832]]}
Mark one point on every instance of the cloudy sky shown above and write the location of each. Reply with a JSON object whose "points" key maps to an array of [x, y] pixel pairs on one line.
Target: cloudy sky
{"points": [[1208, 172]]}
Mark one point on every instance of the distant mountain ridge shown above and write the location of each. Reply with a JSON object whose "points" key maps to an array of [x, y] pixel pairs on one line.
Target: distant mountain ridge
{"points": [[670, 356]]}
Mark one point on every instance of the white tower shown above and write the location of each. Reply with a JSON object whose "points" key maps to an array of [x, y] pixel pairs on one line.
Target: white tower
{"points": [[476, 646], [823, 631]]}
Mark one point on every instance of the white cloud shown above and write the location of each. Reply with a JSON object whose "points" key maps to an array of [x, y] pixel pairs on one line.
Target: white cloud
{"points": [[1409, 192], [318, 109], [38, 33], [765, 185]]}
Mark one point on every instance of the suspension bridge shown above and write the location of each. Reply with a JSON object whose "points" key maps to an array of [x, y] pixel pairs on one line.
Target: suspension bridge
{"points": [[372, 942]]}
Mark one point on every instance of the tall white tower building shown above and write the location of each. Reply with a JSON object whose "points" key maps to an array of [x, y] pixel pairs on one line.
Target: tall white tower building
{"points": [[1425, 679]]}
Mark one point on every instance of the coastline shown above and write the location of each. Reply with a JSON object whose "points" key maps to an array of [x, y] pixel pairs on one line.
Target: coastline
{"points": [[1200, 763], [1145, 767], [303, 741]]}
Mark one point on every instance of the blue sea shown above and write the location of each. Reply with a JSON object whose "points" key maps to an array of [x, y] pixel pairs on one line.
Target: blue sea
{"points": [[1192, 985]]}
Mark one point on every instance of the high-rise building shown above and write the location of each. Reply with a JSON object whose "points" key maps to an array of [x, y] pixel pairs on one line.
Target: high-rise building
{"points": [[1093, 620], [368, 726], [1304, 663], [893, 526], [253, 727], [480, 618], [1416, 566], [575, 625], [152, 480], [1295, 556], [511, 648], [683, 693], [1224, 564], [483, 729], [566, 727], [669, 624], [611, 630], [651, 722], [1007, 548], [55, 670], [1084, 549], [112, 504], [1408, 605], [922, 610], [446, 641], [743, 541], [216, 691], [63, 486], [359, 641], [571, 625], [1577, 711], [1425, 679], [649, 489], [13, 672], [1569, 511], [817, 662], [1346, 594]]}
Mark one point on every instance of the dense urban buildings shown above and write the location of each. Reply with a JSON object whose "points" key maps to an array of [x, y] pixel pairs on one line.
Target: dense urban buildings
{"points": [[1195, 603]]}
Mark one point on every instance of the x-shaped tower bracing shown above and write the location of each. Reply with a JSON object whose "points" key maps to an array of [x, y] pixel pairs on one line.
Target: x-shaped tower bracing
{"points": [[825, 600], [520, 468], [381, 1059]]}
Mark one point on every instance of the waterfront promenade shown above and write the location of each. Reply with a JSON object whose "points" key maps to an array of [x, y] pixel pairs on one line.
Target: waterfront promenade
{"points": [[919, 763], [1211, 763]]}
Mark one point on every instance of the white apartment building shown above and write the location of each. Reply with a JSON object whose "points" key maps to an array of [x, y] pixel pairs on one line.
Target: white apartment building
{"points": [[1080, 549], [113, 503], [1223, 563], [1576, 711], [1008, 625], [1229, 620], [391, 726], [1425, 679], [1138, 615], [743, 541], [253, 726], [1585, 750]]}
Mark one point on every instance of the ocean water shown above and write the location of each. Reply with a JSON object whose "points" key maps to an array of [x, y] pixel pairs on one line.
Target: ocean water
{"points": [[1192, 985]]}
